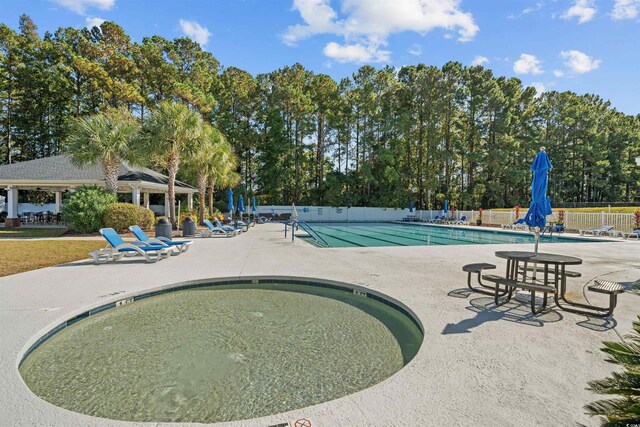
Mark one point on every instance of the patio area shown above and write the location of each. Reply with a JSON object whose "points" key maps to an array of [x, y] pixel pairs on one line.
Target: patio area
{"points": [[478, 365]]}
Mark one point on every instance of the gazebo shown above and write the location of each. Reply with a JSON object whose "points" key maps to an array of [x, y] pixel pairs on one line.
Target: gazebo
{"points": [[58, 174]]}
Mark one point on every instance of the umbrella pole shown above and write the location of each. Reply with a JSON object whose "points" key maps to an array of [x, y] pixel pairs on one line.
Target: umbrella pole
{"points": [[535, 251]]}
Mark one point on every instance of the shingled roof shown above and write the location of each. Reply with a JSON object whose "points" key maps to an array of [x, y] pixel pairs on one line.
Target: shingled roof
{"points": [[57, 169]]}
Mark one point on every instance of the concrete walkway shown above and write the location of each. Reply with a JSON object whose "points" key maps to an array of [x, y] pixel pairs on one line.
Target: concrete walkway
{"points": [[478, 365]]}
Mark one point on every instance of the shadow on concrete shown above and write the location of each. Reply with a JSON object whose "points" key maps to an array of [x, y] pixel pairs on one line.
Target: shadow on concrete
{"points": [[460, 293], [485, 309], [598, 324]]}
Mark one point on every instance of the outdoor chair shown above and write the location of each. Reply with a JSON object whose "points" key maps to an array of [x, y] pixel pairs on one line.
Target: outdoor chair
{"points": [[461, 221], [180, 245], [518, 225], [607, 230], [217, 231], [231, 227], [120, 248], [635, 234]]}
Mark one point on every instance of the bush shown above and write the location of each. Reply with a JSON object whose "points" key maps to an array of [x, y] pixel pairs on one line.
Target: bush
{"points": [[120, 216], [84, 207]]}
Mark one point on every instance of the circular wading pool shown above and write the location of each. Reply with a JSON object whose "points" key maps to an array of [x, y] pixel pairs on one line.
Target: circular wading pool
{"points": [[222, 350]]}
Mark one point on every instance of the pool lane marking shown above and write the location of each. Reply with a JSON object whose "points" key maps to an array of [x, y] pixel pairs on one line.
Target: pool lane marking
{"points": [[424, 242], [371, 237], [331, 236], [470, 239], [447, 237]]}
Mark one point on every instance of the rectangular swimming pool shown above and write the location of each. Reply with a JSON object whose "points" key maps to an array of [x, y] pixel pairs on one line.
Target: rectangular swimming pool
{"points": [[353, 234]]}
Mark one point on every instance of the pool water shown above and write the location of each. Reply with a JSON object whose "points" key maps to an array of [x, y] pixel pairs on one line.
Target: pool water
{"points": [[342, 235], [221, 353]]}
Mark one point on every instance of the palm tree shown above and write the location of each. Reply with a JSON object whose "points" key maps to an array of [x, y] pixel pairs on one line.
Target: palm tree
{"points": [[173, 132], [107, 138], [223, 174], [215, 155], [623, 410]]}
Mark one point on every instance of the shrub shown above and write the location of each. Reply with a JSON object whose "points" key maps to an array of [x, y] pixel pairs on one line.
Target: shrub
{"points": [[623, 409], [84, 207], [120, 216]]}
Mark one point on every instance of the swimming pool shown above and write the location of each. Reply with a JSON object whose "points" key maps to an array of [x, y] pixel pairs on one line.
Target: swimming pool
{"points": [[353, 234]]}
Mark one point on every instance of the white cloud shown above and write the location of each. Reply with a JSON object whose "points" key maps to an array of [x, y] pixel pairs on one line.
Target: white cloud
{"points": [[195, 31], [625, 9], [539, 87], [527, 10], [480, 60], [365, 25], [584, 10], [579, 62], [558, 73], [415, 50], [80, 6], [527, 64], [355, 53], [93, 21]]}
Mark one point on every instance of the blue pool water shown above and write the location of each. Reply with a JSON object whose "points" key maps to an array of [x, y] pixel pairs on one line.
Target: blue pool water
{"points": [[342, 235]]}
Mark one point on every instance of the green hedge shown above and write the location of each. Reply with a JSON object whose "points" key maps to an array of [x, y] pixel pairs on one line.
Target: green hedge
{"points": [[84, 207], [120, 216]]}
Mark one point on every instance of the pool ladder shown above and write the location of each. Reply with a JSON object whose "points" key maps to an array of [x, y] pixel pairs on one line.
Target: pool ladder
{"points": [[306, 227]]}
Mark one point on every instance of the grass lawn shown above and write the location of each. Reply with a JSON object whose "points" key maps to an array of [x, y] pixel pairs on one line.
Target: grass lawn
{"points": [[24, 255], [31, 232]]}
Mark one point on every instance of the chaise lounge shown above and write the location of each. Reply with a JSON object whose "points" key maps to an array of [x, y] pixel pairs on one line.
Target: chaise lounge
{"points": [[119, 248], [180, 245]]}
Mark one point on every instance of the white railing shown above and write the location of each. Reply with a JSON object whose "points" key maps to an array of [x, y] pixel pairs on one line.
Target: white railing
{"points": [[572, 220]]}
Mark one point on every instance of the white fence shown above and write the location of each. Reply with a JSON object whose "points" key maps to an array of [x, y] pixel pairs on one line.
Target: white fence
{"points": [[573, 220], [338, 214]]}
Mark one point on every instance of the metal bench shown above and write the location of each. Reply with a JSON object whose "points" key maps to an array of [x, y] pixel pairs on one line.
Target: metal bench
{"points": [[613, 289], [478, 268], [510, 285], [541, 270]]}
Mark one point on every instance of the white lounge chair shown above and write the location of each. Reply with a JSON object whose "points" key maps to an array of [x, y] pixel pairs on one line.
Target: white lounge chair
{"points": [[607, 230], [217, 231], [635, 234], [180, 245], [119, 248]]}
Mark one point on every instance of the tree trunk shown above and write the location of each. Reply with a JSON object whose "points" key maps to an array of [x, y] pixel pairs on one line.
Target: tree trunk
{"points": [[201, 183], [210, 189], [110, 169], [173, 162]]}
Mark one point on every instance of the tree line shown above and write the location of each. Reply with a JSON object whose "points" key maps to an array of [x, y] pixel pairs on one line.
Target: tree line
{"points": [[381, 137]]}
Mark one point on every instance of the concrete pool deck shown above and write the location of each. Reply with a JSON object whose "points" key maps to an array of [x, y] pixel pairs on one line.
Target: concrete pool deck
{"points": [[478, 365]]}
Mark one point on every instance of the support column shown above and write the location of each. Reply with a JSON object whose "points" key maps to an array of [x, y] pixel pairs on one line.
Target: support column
{"points": [[189, 201], [58, 202], [167, 208], [135, 196], [12, 219], [146, 199]]}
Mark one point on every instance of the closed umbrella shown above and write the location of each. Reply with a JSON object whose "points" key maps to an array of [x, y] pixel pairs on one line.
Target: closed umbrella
{"points": [[540, 205], [230, 203], [240, 206], [411, 206], [446, 208], [254, 209]]}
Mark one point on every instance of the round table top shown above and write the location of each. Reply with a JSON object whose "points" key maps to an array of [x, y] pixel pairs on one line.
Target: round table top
{"points": [[542, 258]]}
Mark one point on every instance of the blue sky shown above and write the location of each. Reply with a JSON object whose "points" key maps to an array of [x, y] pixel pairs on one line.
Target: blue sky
{"points": [[578, 45]]}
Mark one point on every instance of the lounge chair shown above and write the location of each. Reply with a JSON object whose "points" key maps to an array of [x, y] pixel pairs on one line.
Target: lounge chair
{"points": [[635, 234], [120, 248], [180, 245], [518, 225], [461, 221], [230, 227], [604, 230], [217, 231]]}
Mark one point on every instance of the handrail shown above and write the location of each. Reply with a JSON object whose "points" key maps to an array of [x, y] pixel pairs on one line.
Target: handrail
{"points": [[313, 233]]}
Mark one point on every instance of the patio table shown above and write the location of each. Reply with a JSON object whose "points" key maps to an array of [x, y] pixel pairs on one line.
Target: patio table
{"points": [[557, 262]]}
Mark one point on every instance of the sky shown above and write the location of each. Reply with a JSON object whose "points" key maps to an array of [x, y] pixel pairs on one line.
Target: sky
{"points": [[585, 46]]}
